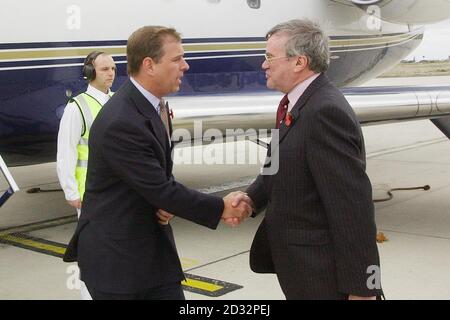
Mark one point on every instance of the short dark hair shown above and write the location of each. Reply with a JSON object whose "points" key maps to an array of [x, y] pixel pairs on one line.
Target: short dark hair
{"points": [[147, 42]]}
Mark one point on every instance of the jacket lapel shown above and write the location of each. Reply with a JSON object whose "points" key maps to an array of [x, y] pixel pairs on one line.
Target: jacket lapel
{"points": [[149, 111], [313, 87]]}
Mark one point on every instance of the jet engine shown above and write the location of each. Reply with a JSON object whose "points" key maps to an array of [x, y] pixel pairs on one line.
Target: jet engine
{"points": [[404, 11]]}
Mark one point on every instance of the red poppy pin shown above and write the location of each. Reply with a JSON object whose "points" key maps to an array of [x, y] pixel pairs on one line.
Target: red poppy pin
{"points": [[171, 113], [288, 119]]}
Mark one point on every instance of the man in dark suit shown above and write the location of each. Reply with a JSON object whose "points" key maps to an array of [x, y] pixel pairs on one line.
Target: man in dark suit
{"points": [[318, 234], [122, 250]]}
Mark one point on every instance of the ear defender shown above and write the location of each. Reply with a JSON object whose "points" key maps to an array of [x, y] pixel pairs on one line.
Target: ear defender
{"points": [[88, 66]]}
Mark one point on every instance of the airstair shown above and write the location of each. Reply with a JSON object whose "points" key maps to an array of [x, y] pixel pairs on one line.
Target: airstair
{"points": [[12, 184]]}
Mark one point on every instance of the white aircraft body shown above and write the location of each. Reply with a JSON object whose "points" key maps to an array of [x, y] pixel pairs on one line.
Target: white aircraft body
{"points": [[43, 45]]}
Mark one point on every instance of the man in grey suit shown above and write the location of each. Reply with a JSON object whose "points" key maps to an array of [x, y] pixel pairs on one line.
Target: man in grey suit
{"points": [[319, 233]]}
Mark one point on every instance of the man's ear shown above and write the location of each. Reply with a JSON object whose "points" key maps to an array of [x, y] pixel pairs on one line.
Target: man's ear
{"points": [[148, 64], [302, 63]]}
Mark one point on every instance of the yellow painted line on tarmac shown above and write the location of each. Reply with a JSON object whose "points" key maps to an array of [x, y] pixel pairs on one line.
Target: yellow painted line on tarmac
{"points": [[34, 243], [16, 236], [208, 287], [13, 236], [202, 285], [28, 242]]}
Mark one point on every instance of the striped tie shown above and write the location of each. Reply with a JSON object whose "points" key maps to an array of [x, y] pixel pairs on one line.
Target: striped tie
{"points": [[164, 114]]}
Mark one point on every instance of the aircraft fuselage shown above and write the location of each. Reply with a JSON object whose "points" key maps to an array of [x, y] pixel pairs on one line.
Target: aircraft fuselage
{"points": [[42, 54]]}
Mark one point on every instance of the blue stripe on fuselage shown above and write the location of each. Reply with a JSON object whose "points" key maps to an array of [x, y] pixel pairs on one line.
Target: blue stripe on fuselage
{"points": [[107, 43], [62, 63]]}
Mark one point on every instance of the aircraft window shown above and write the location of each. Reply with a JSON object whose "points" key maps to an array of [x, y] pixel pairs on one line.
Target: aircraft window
{"points": [[254, 4]]}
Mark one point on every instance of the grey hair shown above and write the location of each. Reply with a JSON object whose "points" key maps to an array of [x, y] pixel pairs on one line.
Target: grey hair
{"points": [[308, 39]]}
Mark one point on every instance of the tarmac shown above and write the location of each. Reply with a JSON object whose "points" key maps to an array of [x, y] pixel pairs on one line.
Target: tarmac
{"points": [[415, 258]]}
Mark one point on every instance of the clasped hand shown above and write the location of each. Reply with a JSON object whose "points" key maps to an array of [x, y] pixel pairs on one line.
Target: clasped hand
{"points": [[238, 206]]}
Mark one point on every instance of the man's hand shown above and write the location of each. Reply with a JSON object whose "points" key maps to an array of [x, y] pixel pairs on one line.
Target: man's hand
{"points": [[164, 217], [75, 203], [238, 206], [241, 196], [351, 297]]}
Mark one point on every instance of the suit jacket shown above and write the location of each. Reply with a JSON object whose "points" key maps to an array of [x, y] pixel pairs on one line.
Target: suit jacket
{"points": [[319, 233], [118, 243]]}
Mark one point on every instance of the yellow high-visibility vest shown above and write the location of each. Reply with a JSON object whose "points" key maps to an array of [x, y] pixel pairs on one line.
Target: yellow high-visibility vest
{"points": [[89, 108]]}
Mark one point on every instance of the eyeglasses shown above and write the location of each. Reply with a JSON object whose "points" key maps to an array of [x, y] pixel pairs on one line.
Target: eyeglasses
{"points": [[270, 59]]}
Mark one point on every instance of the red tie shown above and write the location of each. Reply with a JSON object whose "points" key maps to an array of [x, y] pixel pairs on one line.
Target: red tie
{"points": [[282, 110]]}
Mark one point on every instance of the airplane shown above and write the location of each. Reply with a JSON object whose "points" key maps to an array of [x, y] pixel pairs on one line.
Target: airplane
{"points": [[43, 45]]}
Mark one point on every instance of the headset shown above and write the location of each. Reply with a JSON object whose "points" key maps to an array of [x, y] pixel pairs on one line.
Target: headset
{"points": [[88, 67]]}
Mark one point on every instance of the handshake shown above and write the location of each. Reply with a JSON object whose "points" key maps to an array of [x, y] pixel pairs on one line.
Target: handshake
{"points": [[237, 207]]}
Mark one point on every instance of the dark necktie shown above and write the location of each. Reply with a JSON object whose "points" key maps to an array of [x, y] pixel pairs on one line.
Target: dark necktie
{"points": [[163, 112], [281, 111]]}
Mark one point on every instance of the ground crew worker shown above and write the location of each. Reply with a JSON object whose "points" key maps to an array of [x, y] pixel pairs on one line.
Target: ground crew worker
{"points": [[99, 70]]}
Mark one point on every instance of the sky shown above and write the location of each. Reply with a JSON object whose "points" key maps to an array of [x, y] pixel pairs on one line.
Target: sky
{"points": [[436, 43]]}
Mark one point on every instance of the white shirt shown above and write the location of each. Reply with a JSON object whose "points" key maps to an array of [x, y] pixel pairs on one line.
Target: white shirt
{"points": [[147, 94], [70, 130], [298, 91]]}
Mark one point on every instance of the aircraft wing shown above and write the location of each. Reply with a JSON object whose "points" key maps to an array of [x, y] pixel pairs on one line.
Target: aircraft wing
{"points": [[372, 105]]}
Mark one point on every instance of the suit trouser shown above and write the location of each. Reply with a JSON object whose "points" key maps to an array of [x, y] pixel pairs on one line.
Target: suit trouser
{"points": [[172, 291]]}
